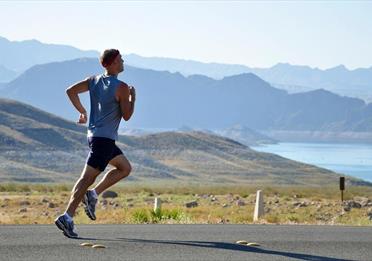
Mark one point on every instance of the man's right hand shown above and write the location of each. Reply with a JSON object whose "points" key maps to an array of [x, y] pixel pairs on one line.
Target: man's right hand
{"points": [[83, 118], [126, 96]]}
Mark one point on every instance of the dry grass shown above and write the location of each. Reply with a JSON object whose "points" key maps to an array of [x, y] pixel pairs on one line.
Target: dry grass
{"points": [[30, 204]]}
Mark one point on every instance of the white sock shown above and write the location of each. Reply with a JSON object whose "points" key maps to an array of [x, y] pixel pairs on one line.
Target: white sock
{"points": [[94, 193], [69, 218]]}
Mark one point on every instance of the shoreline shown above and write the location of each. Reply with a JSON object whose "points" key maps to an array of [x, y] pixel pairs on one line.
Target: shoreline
{"points": [[337, 157]]}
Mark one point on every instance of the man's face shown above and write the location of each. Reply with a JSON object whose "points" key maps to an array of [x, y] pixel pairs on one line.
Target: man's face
{"points": [[119, 63]]}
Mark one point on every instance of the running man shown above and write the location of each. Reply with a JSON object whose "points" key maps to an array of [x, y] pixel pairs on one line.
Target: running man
{"points": [[110, 100]]}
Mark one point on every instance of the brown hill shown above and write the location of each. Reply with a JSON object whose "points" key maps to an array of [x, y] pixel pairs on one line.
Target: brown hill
{"points": [[36, 146]]}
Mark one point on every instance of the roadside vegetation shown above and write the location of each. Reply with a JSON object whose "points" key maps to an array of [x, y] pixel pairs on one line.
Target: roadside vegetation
{"points": [[191, 204]]}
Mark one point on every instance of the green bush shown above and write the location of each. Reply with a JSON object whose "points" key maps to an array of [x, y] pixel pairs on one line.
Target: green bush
{"points": [[141, 216], [165, 214], [292, 218], [146, 216]]}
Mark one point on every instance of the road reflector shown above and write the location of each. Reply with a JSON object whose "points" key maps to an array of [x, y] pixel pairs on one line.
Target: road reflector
{"points": [[98, 246], [242, 242], [87, 244]]}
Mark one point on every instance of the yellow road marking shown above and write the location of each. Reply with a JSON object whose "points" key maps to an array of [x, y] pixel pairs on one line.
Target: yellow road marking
{"points": [[86, 244], [98, 246]]}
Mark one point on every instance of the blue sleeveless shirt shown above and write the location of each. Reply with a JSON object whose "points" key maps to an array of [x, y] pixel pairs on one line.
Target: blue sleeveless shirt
{"points": [[105, 112]]}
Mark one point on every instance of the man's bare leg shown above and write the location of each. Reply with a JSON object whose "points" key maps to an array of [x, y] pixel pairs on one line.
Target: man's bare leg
{"points": [[122, 170], [87, 178]]}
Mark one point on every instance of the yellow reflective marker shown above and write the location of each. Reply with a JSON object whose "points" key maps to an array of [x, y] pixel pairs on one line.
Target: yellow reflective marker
{"points": [[253, 244], [87, 244], [242, 242], [98, 246]]}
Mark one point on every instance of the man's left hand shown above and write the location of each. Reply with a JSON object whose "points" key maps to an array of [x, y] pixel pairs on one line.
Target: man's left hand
{"points": [[132, 93], [83, 118]]}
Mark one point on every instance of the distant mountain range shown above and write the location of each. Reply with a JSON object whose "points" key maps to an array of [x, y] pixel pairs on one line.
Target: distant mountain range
{"points": [[17, 56], [203, 102], [6, 74], [293, 78], [340, 80], [186, 67], [35, 146], [170, 100]]}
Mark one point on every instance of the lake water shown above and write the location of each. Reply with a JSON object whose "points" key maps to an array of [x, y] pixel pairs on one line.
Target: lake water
{"points": [[350, 159]]}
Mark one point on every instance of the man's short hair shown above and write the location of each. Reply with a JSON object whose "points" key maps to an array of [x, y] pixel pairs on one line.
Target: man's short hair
{"points": [[108, 56]]}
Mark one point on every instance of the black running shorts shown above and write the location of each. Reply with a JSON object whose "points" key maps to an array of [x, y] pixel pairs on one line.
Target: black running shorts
{"points": [[102, 150]]}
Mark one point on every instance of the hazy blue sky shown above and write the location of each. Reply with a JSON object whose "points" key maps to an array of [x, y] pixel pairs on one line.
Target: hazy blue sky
{"points": [[260, 34]]}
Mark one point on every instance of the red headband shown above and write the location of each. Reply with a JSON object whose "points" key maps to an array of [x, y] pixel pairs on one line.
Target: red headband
{"points": [[107, 61]]}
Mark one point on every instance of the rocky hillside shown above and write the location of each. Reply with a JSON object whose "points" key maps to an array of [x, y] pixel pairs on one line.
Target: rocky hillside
{"points": [[36, 146]]}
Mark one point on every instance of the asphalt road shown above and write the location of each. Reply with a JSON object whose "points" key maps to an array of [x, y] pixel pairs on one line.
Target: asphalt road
{"points": [[187, 242]]}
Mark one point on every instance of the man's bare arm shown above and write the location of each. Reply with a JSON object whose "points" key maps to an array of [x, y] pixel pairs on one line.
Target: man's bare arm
{"points": [[73, 94], [126, 97]]}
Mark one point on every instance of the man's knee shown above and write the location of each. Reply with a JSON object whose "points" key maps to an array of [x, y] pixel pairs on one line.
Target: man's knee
{"points": [[125, 169], [121, 163]]}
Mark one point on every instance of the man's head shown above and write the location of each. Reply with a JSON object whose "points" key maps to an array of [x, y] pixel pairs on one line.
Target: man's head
{"points": [[112, 61]]}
